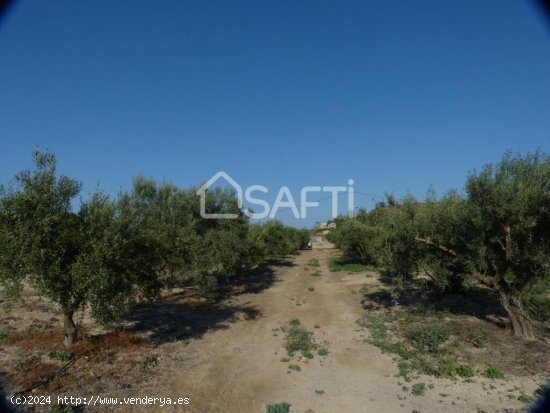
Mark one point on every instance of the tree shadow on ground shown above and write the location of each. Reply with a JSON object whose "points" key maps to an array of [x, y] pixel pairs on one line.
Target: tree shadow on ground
{"points": [[349, 259], [183, 315], [180, 318], [280, 262], [177, 319], [254, 280], [482, 304], [385, 277]]}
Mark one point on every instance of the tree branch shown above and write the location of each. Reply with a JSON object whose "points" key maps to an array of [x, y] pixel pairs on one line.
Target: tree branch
{"points": [[443, 248], [485, 280]]}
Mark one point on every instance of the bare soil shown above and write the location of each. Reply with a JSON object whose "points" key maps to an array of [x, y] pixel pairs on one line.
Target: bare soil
{"points": [[231, 361]]}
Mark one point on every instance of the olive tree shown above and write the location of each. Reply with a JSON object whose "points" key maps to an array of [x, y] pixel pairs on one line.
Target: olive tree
{"points": [[368, 242], [511, 201], [446, 233], [97, 257], [499, 233], [170, 216]]}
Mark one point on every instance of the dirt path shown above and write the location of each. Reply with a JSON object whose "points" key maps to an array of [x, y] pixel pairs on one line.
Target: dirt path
{"points": [[238, 368]]}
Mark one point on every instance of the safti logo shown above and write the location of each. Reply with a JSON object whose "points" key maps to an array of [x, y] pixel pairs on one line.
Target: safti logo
{"points": [[284, 199], [201, 192]]}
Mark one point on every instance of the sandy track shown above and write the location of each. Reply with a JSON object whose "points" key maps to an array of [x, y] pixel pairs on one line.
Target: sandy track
{"points": [[238, 368]]}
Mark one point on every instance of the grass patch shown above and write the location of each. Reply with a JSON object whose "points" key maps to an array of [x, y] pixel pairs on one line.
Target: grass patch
{"points": [[524, 397], [298, 338], [429, 337], [375, 325], [336, 265], [418, 389], [314, 263], [285, 360], [493, 372], [283, 407], [404, 370], [477, 338], [316, 326], [465, 371], [148, 361], [426, 346], [311, 289], [294, 367], [61, 355], [319, 391], [316, 274], [322, 352]]}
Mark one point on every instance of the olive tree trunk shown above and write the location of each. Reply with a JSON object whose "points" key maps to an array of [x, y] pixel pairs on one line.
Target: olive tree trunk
{"points": [[521, 325], [69, 329]]}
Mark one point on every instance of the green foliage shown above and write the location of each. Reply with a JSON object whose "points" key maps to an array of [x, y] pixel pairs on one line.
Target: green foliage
{"points": [[148, 361], [493, 372], [207, 285], [298, 338], [429, 337], [206, 250], [294, 367], [106, 253], [317, 391], [478, 338], [336, 265], [418, 389], [61, 355], [316, 274], [523, 397], [497, 233], [404, 370], [314, 262], [283, 407], [279, 240], [365, 241], [465, 371], [97, 257], [322, 352], [420, 347], [536, 297], [375, 325]]}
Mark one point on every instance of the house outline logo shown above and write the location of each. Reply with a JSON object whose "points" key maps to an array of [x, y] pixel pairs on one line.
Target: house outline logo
{"points": [[201, 192]]}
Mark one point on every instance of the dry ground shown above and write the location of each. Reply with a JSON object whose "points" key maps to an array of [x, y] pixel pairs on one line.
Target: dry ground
{"points": [[232, 362]]}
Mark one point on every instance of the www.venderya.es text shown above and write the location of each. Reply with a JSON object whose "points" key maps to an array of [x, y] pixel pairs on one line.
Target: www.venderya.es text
{"points": [[95, 400]]}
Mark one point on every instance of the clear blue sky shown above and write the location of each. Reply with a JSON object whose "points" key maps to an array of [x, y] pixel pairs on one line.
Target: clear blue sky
{"points": [[394, 94]]}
